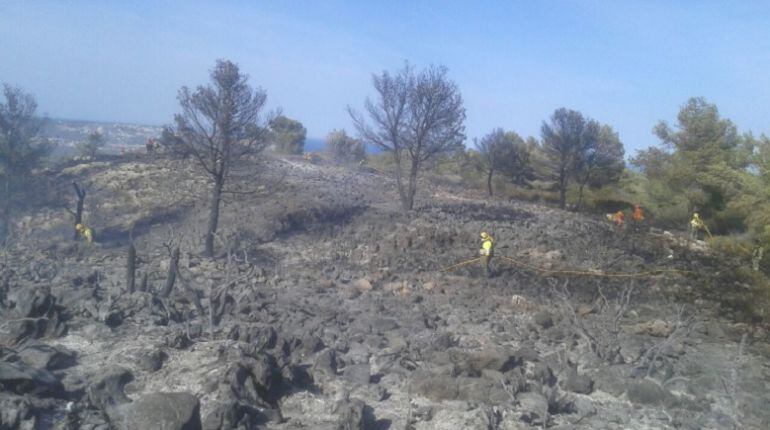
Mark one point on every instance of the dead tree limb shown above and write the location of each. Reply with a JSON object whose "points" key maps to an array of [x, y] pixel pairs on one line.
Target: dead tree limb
{"points": [[602, 332], [173, 269], [682, 325], [218, 296], [131, 268], [78, 214], [623, 302]]}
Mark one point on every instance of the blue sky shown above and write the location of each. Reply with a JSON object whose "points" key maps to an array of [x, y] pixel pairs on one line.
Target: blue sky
{"points": [[624, 63]]}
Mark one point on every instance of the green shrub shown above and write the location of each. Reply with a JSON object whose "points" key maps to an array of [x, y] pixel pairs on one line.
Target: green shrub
{"points": [[746, 293], [604, 206], [343, 148], [732, 247], [740, 286]]}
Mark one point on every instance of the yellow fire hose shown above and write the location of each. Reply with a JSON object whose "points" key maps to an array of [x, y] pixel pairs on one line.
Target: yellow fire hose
{"points": [[379, 171], [375, 170], [572, 272], [462, 263], [596, 273]]}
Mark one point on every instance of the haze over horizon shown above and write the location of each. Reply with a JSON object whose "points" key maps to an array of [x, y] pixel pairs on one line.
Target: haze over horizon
{"points": [[627, 64]]}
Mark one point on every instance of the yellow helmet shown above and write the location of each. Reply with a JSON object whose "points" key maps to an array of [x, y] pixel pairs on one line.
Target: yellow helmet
{"points": [[78, 227], [695, 215], [484, 235]]}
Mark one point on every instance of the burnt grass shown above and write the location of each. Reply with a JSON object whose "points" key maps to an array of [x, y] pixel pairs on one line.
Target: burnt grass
{"points": [[328, 307]]}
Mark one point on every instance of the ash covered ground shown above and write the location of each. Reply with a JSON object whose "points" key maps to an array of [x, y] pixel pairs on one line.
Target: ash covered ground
{"points": [[326, 307]]}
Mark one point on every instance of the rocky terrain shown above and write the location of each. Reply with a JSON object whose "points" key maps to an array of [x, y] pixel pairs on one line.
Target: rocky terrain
{"points": [[327, 308]]}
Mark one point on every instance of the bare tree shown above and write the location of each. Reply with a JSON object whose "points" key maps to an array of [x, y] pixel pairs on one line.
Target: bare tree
{"points": [[220, 124], [415, 117], [389, 115]]}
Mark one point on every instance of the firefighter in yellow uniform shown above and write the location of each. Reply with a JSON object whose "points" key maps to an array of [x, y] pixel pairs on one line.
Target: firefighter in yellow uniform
{"points": [[85, 232], [697, 224], [487, 250]]}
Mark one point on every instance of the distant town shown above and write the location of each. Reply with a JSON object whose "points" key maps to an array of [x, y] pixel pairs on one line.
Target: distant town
{"points": [[67, 133], [120, 137]]}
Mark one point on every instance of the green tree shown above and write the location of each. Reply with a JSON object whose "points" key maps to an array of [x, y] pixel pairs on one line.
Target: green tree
{"points": [[537, 158], [653, 161], [21, 149], [94, 142], [288, 135], [491, 153], [220, 124], [706, 157], [503, 153], [601, 162], [519, 168], [416, 117], [754, 200], [565, 140], [344, 148]]}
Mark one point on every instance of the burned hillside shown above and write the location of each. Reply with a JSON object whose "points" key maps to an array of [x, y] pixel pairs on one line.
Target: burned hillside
{"points": [[327, 306]]}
